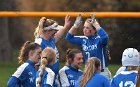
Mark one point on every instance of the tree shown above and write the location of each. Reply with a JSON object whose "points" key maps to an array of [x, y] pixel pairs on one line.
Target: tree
{"points": [[5, 47]]}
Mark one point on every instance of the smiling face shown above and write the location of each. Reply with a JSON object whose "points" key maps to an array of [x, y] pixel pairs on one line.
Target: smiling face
{"points": [[88, 30], [77, 61]]}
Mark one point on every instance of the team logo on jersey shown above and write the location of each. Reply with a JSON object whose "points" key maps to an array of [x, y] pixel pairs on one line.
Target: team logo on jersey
{"points": [[30, 73], [31, 80], [70, 76], [72, 82], [84, 41], [89, 48]]}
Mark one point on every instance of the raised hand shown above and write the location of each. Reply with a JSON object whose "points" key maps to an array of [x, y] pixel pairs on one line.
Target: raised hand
{"points": [[92, 18], [41, 22], [78, 21], [94, 22], [67, 21]]}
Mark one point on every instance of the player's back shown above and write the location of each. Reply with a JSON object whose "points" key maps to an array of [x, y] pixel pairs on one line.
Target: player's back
{"points": [[124, 79]]}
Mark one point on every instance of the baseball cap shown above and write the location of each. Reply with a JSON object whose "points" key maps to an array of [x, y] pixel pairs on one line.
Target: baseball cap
{"points": [[130, 57]]}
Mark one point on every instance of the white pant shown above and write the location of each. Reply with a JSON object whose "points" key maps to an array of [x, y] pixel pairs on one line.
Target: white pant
{"points": [[106, 73]]}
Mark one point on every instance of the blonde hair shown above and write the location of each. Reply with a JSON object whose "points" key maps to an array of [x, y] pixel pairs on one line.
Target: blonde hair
{"points": [[40, 28], [130, 68], [90, 68], [45, 60], [38, 32]]}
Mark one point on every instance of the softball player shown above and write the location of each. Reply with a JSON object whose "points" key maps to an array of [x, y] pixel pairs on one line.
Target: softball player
{"points": [[122, 68], [130, 60], [47, 34], [45, 77], [91, 76], [25, 74], [71, 72], [94, 42]]}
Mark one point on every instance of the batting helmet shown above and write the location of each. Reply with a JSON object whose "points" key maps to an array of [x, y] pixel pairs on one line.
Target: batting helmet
{"points": [[130, 57]]}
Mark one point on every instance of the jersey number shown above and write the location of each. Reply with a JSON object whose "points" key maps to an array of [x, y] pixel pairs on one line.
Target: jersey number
{"points": [[88, 54], [127, 83]]}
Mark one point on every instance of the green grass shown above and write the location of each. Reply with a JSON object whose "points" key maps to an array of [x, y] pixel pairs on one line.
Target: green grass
{"points": [[7, 69], [113, 68]]}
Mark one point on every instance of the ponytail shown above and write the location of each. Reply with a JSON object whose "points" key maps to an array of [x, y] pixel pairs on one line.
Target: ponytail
{"points": [[88, 72], [44, 62], [38, 32], [90, 68], [41, 25], [48, 56]]}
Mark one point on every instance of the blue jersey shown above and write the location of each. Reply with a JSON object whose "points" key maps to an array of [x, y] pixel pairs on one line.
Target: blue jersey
{"points": [[51, 43], [97, 80], [47, 79], [68, 76], [24, 76], [124, 79], [93, 46], [44, 43]]}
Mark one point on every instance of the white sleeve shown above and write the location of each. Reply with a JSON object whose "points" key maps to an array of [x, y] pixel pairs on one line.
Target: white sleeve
{"points": [[50, 76], [20, 70], [63, 77], [120, 69], [38, 40]]}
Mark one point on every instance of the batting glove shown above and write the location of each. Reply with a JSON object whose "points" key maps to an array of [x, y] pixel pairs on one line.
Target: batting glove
{"points": [[78, 21]]}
